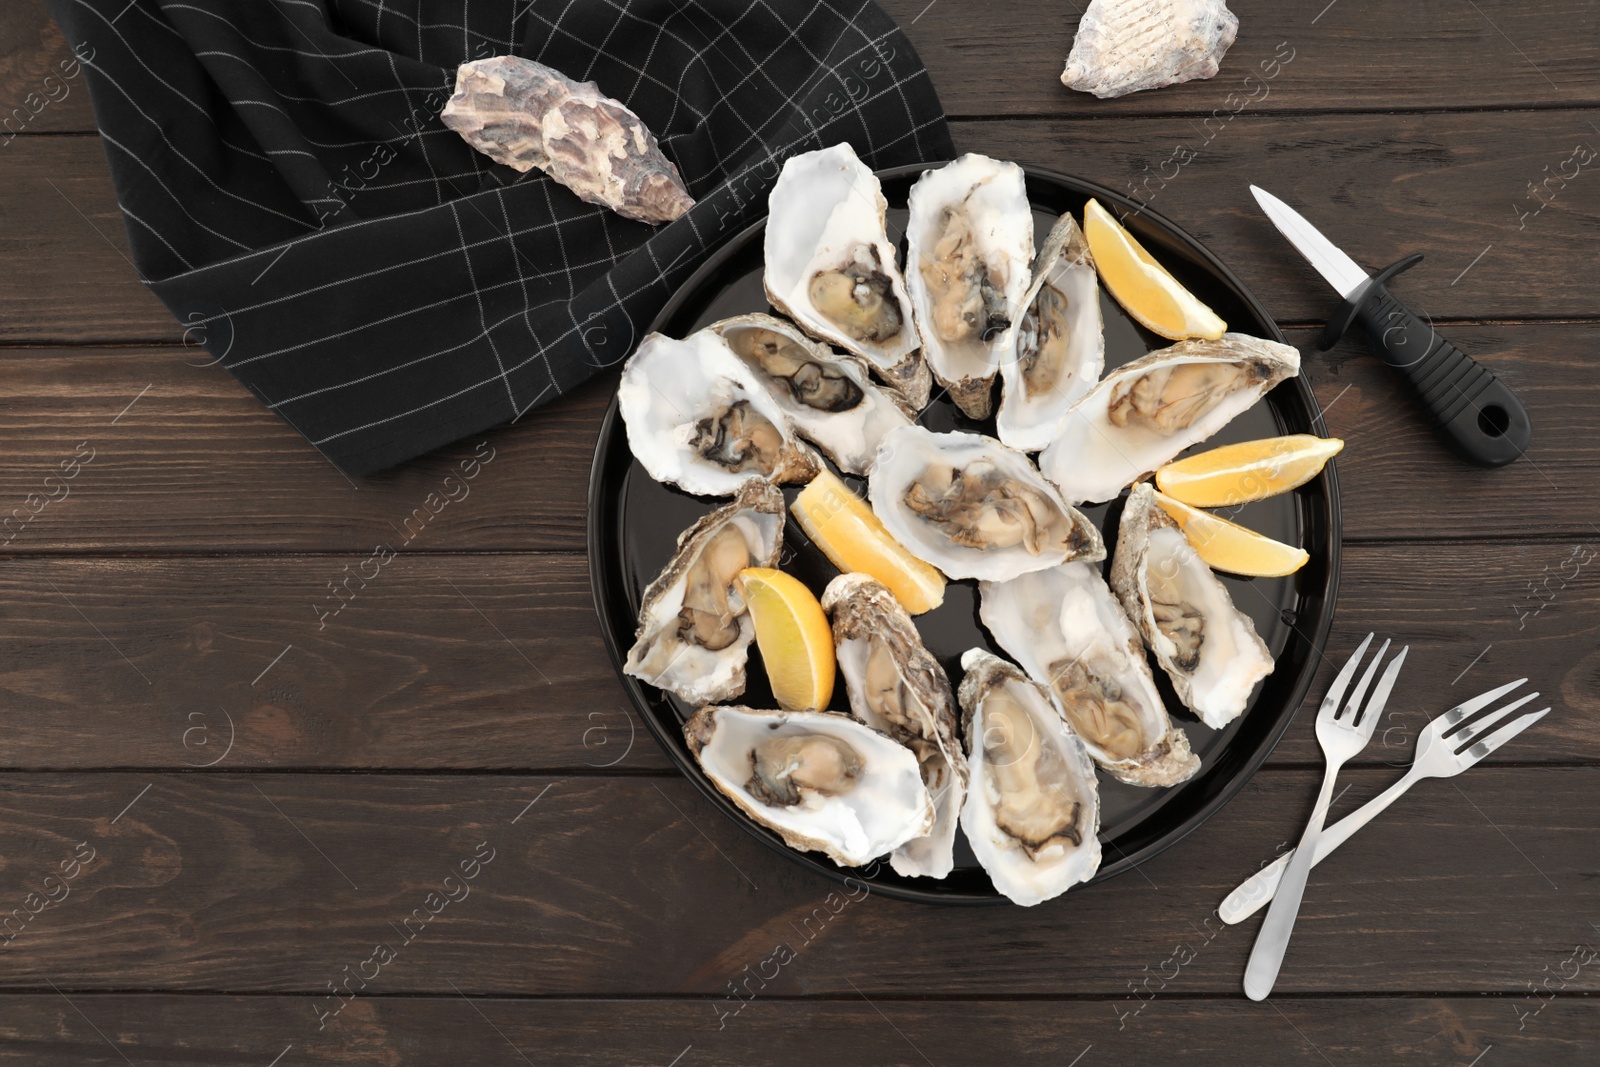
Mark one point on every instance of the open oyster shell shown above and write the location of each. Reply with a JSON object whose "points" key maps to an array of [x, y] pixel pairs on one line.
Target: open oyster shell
{"points": [[973, 507], [896, 686], [830, 399], [1067, 630], [698, 418], [969, 243], [694, 631], [1144, 413], [1208, 647], [1123, 46], [1032, 814], [821, 780], [831, 268], [1053, 354]]}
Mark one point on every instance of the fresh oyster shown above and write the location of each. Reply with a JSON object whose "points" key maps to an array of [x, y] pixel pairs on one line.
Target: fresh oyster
{"points": [[525, 114], [821, 780], [973, 507], [969, 240], [1144, 413], [694, 632], [1124, 46], [831, 268], [1032, 814], [897, 687], [1054, 352], [698, 418], [1208, 647], [1069, 633], [830, 399]]}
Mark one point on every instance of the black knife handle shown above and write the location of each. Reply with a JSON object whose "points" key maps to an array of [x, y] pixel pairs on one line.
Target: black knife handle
{"points": [[1473, 410]]}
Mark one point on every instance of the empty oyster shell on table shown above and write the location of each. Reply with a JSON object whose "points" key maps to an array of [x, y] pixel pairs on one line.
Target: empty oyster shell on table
{"points": [[525, 115], [1145, 412], [1207, 646], [896, 686], [969, 245], [1032, 814], [821, 780], [1124, 46], [698, 418], [830, 399], [830, 267], [1056, 349], [1068, 631], [973, 507], [694, 630]]}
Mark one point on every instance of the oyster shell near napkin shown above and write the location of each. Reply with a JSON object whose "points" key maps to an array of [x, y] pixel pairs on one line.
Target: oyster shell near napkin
{"points": [[526, 115], [1124, 46]]}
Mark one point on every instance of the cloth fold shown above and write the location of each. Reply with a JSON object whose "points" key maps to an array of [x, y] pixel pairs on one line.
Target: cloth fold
{"points": [[293, 198]]}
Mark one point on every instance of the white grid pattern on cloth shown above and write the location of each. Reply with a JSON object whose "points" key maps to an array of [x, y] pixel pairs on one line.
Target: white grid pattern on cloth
{"points": [[365, 333]]}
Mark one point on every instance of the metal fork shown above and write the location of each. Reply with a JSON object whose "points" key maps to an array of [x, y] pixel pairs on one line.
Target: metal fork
{"points": [[1342, 734], [1438, 756]]}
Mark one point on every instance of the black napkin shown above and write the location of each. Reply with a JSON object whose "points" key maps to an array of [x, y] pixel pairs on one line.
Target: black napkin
{"points": [[291, 194]]}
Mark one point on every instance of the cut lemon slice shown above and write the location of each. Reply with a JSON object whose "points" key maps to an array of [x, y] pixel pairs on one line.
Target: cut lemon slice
{"points": [[1141, 285], [1227, 546], [1250, 470], [796, 641], [844, 527]]}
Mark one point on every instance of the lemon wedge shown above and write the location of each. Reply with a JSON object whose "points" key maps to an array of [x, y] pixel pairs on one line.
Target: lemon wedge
{"points": [[1227, 546], [795, 639], [1141, 285], [849, 534], [1250, 470]]}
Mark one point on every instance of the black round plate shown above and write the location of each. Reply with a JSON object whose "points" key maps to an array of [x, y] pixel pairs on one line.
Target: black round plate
{"points": [[634, 523]]}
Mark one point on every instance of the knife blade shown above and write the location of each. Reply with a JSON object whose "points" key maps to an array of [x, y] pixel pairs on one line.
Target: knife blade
{"points": [[1471, 408]]}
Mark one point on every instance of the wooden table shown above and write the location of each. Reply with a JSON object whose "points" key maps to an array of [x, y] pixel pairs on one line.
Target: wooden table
{"points": [[281, 815]]}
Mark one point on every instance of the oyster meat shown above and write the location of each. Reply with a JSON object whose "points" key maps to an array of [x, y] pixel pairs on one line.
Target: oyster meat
{"points": [[830, 399], [822, 781], [698, 418], [1056, 349], [1208, 647], [973, 507], [1123, 46], [1144, 413], [896, 686], [1032, 814], [969, 241], [831, 268], [694, 631], [1067, 630]]}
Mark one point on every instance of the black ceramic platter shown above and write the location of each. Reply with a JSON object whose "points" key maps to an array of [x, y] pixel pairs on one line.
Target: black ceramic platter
{"points": [[634, 523]]}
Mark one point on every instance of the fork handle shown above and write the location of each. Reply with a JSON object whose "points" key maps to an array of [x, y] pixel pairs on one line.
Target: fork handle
{"points": [[1255, 891]]}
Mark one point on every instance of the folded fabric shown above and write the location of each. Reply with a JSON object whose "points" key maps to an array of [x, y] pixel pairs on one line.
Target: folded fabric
{"points": [[293, 198]]}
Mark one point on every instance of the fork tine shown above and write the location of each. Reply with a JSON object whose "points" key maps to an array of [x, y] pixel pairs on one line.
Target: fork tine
{"points": [[1330, 703], [1480, 726], [1380, 696], [1474, 753], [1482, 700], [1353, 705]]}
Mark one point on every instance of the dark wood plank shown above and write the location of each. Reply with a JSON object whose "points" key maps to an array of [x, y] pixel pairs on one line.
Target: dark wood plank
{"points": [[43, 1030], [42, 87], [239, 882]]}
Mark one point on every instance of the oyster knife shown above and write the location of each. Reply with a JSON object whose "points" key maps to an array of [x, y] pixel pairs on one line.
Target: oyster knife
{"points": [[1472, 409]]}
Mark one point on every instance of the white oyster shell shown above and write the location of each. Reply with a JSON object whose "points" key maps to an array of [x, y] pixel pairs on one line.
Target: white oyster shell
{"points": [[1208, 647], [1067, 630], [884, 806], [664, 652], [1124, 46], [896, 686], [998, 519], [1055, 350], [826, 213], [1026, 766], [969, 246], [1144, 413], [831, 400], [674, 397]]}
